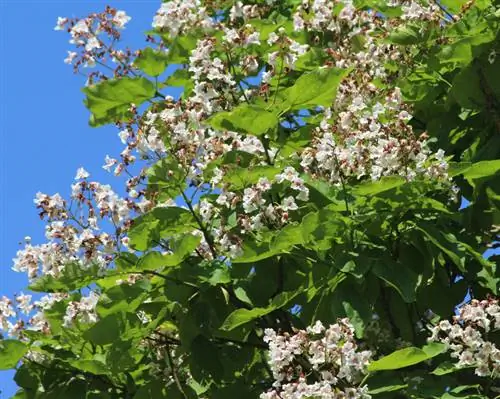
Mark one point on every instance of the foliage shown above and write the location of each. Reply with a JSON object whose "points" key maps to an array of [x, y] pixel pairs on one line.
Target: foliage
{"points": [[302, 222]]}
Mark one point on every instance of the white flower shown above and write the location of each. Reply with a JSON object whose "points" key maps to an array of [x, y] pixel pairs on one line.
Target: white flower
{"points": [[272, 38], [71, 56], [288, 204], [92, 43], [109, 163], [60, 23], [24, 303], [120, 19], [80, 28], [253, 38], [81, 174]]}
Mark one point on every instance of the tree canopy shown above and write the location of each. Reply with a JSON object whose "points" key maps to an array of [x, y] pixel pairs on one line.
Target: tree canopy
{"points": [[308, 219]]}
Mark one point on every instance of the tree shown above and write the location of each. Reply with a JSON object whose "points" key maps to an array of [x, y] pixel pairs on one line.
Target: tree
{"points": [[301, 222]]}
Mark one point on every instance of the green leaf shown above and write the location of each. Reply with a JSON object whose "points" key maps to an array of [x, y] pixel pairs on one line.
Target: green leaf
{"points": [[240, 178], [254, 252], [375, 187], [166, 178], [387, 388], [153, 389], [106, 330], [242, 316], [205, 363], [147, 230], [317, 88], [90, 366], [461, 51], [109, 101], [407, 357], [11, 351], [245, 118], [152, 62], [400, 277], [408, 34], [181, 248], [453, 6], [445, 368], [27, 377], [482, 169], [180, 49], [242, 296]]}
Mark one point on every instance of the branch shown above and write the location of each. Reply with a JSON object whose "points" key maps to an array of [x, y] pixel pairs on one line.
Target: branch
{"points": [[174, 373]]}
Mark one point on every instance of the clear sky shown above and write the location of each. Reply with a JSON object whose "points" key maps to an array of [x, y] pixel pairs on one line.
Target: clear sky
{"points": [[44, 132]]}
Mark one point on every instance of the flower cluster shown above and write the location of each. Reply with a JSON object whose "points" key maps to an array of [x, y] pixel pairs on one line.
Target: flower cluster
{"points": [[82, 311], [22, 313], [467, 336], [319, 362], [285, 57], [174, 17], [92, 48], [365, 133], [75, 233]]}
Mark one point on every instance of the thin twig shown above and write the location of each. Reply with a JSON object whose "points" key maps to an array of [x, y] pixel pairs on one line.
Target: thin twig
{"points": [[174, 373]]}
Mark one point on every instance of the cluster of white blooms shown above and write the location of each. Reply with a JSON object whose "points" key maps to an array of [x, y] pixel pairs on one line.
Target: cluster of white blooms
{"points": [[365, 132], [77, 238], [467, 339], [319, 362], [17, 315], [324, 15], [6, 311], [417, 11], [174, 17], [91, 46], [287, 54], [259, 209], [82, 311], [211, 81]]}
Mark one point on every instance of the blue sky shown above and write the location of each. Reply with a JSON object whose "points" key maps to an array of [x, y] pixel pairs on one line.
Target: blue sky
{"points": [[45, 136]]}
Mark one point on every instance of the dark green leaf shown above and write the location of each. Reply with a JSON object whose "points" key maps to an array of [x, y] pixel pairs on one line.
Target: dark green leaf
{"points": [[11, 351]]}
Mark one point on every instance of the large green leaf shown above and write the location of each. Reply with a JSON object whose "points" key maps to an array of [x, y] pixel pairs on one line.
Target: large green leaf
{"points": [[106, 330], [245, 118], [482, 169], [407, 357], [167, 179], [11, 351], [401, 277], [316, 88], [375, 187], [110, 100], [240, 178]]}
